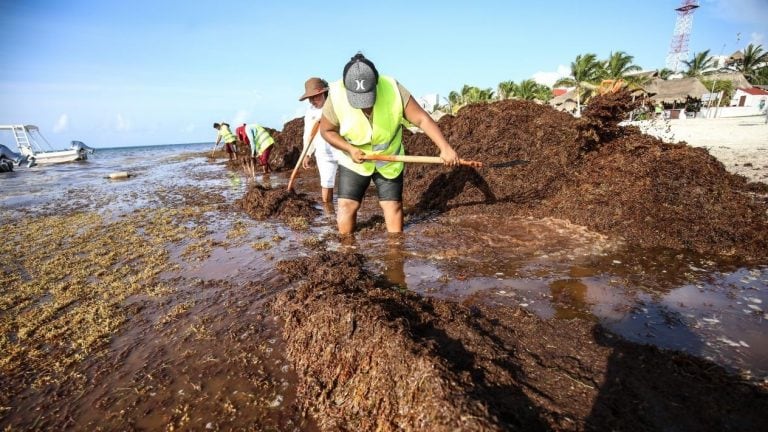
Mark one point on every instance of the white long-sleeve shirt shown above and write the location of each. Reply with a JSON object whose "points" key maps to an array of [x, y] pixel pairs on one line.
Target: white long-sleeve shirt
{"points": [[319, 147]]}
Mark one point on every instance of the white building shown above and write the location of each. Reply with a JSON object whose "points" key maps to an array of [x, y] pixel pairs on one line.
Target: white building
{"points": [[750, 97]]}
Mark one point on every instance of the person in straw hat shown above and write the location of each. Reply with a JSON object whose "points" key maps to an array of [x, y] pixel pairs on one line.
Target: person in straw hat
{"points": [[363, 114], [316, 91]]}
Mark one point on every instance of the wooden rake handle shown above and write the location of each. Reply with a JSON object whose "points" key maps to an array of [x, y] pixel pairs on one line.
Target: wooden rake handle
{"points": [[312, 134], [418, 159]]}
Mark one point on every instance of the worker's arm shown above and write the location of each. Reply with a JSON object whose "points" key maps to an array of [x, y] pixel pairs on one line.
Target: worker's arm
{"points": [[415, 114], [330, 132]]}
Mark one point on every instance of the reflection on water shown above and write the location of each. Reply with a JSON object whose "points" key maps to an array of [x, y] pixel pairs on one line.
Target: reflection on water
{"points": [[569, 298], [710, 308], [394, 260]]}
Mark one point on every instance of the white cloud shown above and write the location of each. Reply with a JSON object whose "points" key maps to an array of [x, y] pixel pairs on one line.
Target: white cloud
{"points": [[757, 38], [61, 124], [190, 127], [122, 123], [549, 78]]}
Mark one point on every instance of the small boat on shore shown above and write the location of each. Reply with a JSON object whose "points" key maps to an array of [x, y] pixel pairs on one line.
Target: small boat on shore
{"points": [[29, 141], [8, 158]]}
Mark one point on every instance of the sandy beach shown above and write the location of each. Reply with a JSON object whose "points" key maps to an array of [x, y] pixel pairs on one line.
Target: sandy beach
{"points": [[740, 143]]}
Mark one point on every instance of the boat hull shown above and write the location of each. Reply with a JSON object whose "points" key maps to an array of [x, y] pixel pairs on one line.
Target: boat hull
{"points": [[60, 156]]}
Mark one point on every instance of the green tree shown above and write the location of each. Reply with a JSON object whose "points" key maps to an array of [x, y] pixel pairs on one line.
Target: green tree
{"points": [[506, 90], [700, 62], [618, 65], [665, 73], [754, 60], [585, 74], [543, 93], [761, 76], [526, 90], [715, 86], [472, 94]]}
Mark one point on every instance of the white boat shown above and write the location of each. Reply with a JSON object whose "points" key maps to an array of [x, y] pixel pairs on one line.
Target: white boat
{"points": [[8, 158], [29, 141]]}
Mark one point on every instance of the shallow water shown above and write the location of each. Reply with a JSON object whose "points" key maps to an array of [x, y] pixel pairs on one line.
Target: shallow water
{"points": [[702, 305], [665, 298]]}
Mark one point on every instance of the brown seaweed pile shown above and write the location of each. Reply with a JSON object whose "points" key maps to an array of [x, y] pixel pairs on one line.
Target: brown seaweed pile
{"points": [[263, 203], [288, 145], [372, 358], [589, 170], [612, 179]]}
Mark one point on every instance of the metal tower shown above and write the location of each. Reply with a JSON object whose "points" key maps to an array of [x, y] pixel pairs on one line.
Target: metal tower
{"points": [[678, 49]]}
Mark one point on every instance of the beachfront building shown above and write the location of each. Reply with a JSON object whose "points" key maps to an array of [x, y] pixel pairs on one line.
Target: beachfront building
{"points": [[750, 97], [677, 95]]}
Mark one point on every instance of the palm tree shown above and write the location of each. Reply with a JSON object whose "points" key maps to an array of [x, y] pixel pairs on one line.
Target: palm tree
{"points": [[618, 65], [527, 89], [585, 71], [698, 64], [471, 94], [543, 93], [506, 90], [761, 76], [754, 59], [665, 73]]}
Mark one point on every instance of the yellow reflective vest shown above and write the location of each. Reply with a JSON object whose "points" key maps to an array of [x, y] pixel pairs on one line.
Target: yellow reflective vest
{"points": [[259, 137], [226, 134], [384, 136]]}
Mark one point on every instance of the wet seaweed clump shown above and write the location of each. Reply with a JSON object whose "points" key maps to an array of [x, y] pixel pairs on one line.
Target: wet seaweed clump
{"points": [[288, 145], [601, 118], [591, 171], [265, 203], [369, 357]]}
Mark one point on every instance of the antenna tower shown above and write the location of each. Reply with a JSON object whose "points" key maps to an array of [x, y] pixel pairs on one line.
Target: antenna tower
{"points": [[678, 49]]}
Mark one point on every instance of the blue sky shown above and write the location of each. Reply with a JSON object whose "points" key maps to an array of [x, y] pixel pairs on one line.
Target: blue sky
{"points": [[122, 73]]}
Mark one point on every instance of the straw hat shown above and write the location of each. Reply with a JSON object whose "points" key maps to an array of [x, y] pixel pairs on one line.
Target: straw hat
{"points": [[314, 86]]}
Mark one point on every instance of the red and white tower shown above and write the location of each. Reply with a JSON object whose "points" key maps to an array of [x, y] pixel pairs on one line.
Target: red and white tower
{"points": [[678, 49]]}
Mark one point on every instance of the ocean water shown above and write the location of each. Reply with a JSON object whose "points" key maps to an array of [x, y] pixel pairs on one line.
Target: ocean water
{"points": [[148, 165]]}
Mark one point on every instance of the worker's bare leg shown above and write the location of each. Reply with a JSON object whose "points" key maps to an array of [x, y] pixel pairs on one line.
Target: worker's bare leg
{"points": [[393, 215], [326, 194], [346, 215]]}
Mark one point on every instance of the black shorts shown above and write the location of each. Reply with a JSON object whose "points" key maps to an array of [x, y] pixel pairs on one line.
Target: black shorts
{"points": [[352, 185]]}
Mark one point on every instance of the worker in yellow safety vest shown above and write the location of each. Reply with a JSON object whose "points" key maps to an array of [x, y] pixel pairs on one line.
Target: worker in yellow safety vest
{"points": [[363, 114], [261, 145], [226, 135]]}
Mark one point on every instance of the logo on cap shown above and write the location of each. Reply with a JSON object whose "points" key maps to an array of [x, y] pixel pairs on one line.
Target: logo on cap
{"points": [[360, 84]]}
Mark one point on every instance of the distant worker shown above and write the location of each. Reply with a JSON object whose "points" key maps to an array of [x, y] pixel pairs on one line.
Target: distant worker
{"points": [[316, 90], [659, 110], [228, 137], [363, 114], [242, 137], [261, 145]]}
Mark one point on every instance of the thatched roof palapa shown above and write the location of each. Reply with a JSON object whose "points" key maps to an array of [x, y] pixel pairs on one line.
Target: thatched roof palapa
{"points": [[675, 90], [564, 102], [737, 78], [735, 57]]}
